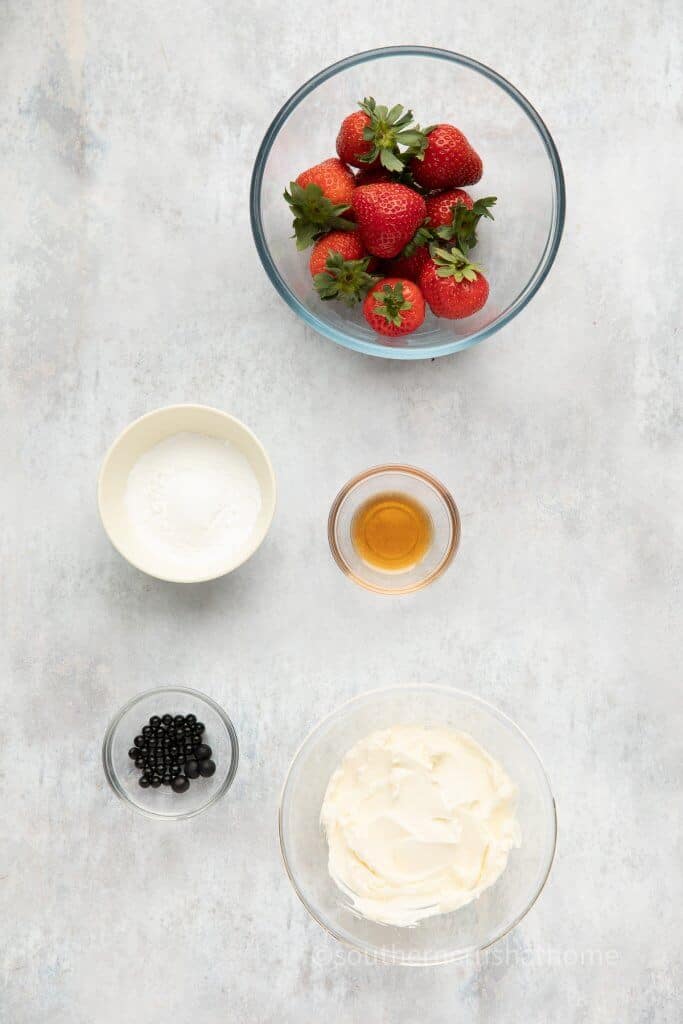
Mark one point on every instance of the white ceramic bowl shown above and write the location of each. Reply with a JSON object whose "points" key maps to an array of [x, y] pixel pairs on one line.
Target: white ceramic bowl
{"points": [[142, 435]]}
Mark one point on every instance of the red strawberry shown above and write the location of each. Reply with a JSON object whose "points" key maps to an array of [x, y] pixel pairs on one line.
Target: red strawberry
{"points": [[448, 161], [452, 286], [373, 134], [347, 243], [440, 208], [394, 306], [388, 216], [373, 176], [318, 199], [409, 266], [335, 180], [351, 143]]}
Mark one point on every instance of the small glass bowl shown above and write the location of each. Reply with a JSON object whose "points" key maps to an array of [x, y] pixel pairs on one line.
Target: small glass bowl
{"points": [[122, 775], [429, 493], [442, 938]]}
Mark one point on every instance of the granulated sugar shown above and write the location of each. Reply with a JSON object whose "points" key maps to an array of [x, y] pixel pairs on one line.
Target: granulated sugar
{"points": [[193, 500]]}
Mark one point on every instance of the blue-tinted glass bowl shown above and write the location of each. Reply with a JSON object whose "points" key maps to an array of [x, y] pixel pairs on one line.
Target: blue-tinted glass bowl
{"points": [[521, 167]]}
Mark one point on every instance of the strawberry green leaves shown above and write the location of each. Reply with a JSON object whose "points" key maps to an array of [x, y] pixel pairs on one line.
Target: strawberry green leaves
{"points": [[462, 229], [423, 236], [390, 303], [347, 280], [389, 129], [314, 214], [461, 232], [453, 263]]}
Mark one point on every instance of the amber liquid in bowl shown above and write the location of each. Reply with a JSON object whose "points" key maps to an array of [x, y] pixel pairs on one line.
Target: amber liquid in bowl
{"points": [[391, 532]]}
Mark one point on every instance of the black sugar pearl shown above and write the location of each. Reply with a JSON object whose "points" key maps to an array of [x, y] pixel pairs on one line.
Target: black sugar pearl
{"points": [[133, 752], [146, 730], [178, 720], [166, 779], [203, 752], [207, 768], [155, 721], [139, 740], [190, 719], [180, 784], [168, 759], [199, 728], [192, 769], [155, 781], [139, 762], [167, 719], [175, 769], [143, 781]]}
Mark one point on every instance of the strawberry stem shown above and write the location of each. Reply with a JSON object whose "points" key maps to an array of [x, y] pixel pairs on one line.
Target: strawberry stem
{"points": [[388, 130], [314, 214], [454, 263], [390, 303], [462, 229], [347, 280], [423, 236]]}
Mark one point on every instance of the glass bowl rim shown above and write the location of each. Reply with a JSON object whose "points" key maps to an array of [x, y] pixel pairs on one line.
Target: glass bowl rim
{"points": [[420, 474], [165, 690], [377, 954], [375, 348]]}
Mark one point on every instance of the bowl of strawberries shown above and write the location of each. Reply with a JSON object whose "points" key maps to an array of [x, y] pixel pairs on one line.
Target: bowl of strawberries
{"points": [[407, 202]]}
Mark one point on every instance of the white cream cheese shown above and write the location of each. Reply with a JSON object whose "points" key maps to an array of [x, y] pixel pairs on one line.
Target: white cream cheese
{"points": [[418, 822]]}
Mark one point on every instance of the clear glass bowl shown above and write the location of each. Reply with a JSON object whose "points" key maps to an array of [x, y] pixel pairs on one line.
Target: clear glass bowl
{"points": [[445, 937], [521, 167], [123, 776], [429, 493]]}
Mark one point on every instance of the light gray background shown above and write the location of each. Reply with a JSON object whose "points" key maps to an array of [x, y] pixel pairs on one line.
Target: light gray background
{"points": [[128, 280]]}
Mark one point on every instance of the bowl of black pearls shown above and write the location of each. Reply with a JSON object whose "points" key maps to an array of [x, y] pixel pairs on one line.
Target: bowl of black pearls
{"points": [[170, 753]]}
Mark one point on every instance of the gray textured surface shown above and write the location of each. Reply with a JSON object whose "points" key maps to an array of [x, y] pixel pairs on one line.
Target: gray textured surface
{"points": [[128, 280]]}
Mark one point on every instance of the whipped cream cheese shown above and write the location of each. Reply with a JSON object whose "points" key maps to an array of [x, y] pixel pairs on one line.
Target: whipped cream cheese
{"points": [[418, 822]]}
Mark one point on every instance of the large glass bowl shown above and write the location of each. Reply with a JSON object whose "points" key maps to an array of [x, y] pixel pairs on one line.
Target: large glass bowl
{"points": [[444, 937], [521, 167]]}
